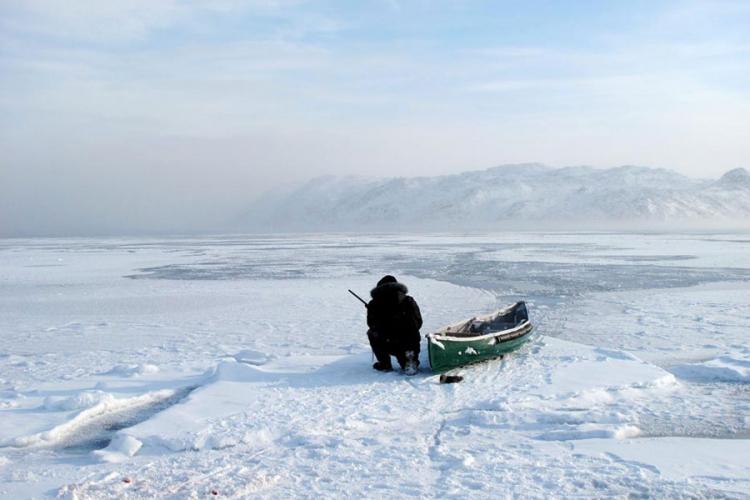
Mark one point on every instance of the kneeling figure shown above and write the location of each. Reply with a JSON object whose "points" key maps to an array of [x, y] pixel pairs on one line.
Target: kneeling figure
{"points": [[394, 320]]}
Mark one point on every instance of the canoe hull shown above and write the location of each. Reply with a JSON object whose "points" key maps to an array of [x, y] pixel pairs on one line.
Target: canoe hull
{"points": [[446, 354], [474, 341]]}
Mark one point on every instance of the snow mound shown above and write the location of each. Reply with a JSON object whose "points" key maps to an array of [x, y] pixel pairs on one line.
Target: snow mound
{"points": [[133, 370], [120, 449], [587, 374], [235, 371], [731, 367], [252, 357], [80, 401], [679, 458], [205, 439], [613, 354]]}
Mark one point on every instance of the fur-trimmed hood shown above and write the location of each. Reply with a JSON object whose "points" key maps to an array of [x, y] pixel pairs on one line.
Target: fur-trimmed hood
{"points": [[389, 291]]}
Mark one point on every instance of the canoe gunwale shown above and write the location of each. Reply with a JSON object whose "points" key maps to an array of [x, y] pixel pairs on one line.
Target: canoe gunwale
{"points": [[501, 335], [446, 330]]}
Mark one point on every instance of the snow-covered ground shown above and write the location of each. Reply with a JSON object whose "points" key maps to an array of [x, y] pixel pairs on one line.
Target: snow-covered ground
{"points": [[238, 366]]}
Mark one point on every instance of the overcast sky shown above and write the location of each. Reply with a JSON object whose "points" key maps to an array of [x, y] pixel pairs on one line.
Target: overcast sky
{"points": [[159, 115]]}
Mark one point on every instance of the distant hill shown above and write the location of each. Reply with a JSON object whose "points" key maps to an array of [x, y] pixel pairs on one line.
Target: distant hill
{"points": [[523, 196]]}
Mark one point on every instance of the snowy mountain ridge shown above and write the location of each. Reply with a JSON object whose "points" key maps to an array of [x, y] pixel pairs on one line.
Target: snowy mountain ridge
{"points": [[509, 196]]}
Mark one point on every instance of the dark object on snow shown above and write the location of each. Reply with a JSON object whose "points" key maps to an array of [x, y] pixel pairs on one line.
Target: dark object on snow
{"points": [[450, 379], [394, 320], [383, 368], [479, 339]]}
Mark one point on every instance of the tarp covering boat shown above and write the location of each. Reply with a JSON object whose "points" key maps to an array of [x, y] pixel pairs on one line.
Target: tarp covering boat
{"points": [[479, 338]]}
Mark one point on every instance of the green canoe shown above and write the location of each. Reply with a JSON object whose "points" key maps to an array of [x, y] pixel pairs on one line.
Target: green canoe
{"points": [[480, 338]]}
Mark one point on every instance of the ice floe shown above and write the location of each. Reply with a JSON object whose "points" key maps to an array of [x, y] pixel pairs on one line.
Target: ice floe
{"points": [[81, 400], [132, 370]]}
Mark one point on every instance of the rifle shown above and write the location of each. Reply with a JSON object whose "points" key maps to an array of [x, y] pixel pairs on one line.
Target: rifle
{"points": [[359, 298]]}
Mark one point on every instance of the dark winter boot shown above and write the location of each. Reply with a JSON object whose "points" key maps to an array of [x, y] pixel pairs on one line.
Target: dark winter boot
{"points": [[383, 367], [411, 363]]}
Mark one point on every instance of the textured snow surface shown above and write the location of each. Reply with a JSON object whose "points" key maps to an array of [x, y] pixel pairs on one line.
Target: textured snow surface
{"points": [[679, 458], [132, 370], [732, 367], [510, 196], [119, 449], [239, 367]]}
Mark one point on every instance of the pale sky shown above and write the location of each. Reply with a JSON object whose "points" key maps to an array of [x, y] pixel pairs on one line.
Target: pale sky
{"points": [[168, 116]]}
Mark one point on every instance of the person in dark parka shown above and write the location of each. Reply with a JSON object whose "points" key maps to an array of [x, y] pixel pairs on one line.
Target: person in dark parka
{"points": [[394, 320]]}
